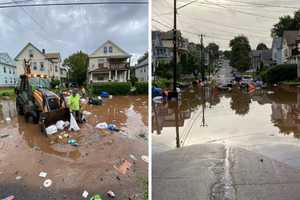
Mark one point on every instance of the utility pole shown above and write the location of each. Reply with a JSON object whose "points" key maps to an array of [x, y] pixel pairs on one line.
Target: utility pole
{"points": [[175, 49], [202, 57]]}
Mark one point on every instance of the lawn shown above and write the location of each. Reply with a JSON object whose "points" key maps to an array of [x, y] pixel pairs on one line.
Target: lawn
{"points": [[7, 92]]}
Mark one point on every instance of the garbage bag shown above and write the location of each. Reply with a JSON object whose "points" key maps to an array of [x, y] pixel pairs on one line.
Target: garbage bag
{"points": [[113, 127], [50, 130], [73, 124], [104, 94], [60, 124], [102, 125]]}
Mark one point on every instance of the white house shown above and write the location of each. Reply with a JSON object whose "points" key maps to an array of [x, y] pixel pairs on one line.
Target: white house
{"points": [[141, 68], [289, 45], [277, 52], [8, 75], [108, 63], [42, 64]]}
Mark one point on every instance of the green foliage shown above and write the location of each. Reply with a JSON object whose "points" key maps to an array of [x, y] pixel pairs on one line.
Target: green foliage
{"points": [[280, 73], [261, 46], [133, 80], [286, 22], [213, 50], [240, 49], [78, 63], [162, 83], [113, 88], [164, 70], [54, 83], [7, 92], [227, 54], [141, 88]]}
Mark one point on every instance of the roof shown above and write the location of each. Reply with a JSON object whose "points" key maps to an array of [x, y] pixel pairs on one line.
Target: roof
{"points": [[290, 37], [52, 55], [6, 59], [29, 44], [125, 54]]}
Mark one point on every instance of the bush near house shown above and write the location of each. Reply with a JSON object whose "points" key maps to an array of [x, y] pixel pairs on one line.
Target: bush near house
{"points": [[113, 88], [163, 83], [54, 83], [280, 73], [7, 92], [141, 88]]}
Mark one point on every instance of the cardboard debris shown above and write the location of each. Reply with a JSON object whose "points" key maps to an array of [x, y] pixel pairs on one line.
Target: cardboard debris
{"points": [[43, 174], [123, 167], [85, 194]]}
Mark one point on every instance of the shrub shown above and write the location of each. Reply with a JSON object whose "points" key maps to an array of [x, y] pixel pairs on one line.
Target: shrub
{"points": [[54, 83], [114, 88], [141, 87], [162, 83], [280, 73]]}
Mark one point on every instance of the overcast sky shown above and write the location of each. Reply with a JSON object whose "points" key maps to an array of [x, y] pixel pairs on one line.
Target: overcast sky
{"points": [[221, 20], [67, 29]]}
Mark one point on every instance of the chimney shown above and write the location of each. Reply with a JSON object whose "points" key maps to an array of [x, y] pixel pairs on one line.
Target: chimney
{"points": [[43, 51]]}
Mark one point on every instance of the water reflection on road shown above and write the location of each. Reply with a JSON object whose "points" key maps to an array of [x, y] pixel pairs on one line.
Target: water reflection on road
{"points": [[206, 115]]}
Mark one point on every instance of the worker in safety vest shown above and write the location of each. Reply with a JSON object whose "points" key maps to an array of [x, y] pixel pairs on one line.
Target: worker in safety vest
{"points": [[74, 105]]}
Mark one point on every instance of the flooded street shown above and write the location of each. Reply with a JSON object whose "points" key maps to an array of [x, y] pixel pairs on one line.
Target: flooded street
{"points": [[266, 121], [91, 166]]}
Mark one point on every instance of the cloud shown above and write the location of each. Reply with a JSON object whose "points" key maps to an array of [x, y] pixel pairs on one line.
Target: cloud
{"points": [[68, 29]]}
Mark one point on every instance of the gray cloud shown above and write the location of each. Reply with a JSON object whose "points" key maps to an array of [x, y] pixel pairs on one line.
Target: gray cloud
{"points": [[68, 29]]}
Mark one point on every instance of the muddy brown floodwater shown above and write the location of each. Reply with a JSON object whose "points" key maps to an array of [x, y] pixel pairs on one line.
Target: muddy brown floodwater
{"points": [[25, 152], [265, 121]]}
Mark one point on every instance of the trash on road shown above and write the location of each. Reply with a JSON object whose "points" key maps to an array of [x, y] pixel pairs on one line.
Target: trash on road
{"points": [[96, 197], [47, 183], [65, 135], [102, 125], [270, 92], [50, 130], [73, 142], [73, 124], [85, 194], [11, 197], [104, 94], [123, 167], [8, 119], [18, 177], [60, 125], [4, 135], [113, 127], [95, 100], [145, 158], [133, 157], [111, 194], [43, 174], [87, 113]]}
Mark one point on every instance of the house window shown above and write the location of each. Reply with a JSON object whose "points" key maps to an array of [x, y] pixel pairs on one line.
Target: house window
{"points": [[42, 66], [30, 52], [110, 49], [34, 66], [105, 49], [9, 71], [56, 69], [4, 69], [5, 80], [11, 80]]}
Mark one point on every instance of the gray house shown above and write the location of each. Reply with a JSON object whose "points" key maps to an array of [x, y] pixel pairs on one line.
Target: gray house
{"points": [[8, 74], [260, 58]]}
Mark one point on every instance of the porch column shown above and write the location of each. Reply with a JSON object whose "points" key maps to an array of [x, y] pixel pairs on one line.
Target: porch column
{"points": [[128, 75], [116, 75], [91, 78], [109, 75], [125, 76]]}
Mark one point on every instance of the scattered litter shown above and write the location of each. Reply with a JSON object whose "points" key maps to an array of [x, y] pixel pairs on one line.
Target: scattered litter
{"points": [[12, 197], [50, 130], [100, 98], [270, 92], [83, 101], [133, 157], [4, 135], [43, 174], [113, 127], [86, 112], [85, 194], [145, 158], [73, 142], [18, 177], [8, 119], [111, 194], [47, 183], [104, 94], [66, 135], [102, 125], [96, 197], [67, 123], [95, 100], [60, 125], [60, 137], [124, 167], [110, 96], [73, 124], [157, 99]]}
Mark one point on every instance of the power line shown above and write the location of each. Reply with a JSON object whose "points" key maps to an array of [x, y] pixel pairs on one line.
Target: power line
{"points": [[78, 3]]}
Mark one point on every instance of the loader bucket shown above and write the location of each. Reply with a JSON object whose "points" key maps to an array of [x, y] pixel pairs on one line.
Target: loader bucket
{"points": [[50, 118]]}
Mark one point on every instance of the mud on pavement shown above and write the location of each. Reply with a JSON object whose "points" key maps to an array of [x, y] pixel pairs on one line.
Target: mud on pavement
{"points": [[91, 166]]}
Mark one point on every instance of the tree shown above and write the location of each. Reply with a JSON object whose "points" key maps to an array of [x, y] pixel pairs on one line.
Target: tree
{"points": [[227, 54], [240, 49], [286, 22], [213, 50], [78, 64], [261, 46]]}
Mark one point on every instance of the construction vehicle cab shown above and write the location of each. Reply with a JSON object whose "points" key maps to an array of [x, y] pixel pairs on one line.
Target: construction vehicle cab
{"points": [[37, 103]]}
